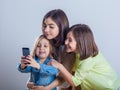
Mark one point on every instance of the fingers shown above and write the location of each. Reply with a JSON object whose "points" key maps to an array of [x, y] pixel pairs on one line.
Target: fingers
{"points": [[29, 57], [25, 60], [28, 61], [30, 85], [22, 57], [53, 60], [34, 87]]}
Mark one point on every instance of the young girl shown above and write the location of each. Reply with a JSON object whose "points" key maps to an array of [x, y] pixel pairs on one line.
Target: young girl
{"points": [[42, 74], [91, 70], [54, 26]]}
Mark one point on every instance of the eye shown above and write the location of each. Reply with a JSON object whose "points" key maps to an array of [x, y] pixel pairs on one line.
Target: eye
{"points": [[51, 26], [45, 45], [70, 40], [38, 45]]}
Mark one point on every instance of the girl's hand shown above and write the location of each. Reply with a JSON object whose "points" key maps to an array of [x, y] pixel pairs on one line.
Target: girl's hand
{"points": [[40, 88], [32, 62], [23, 62], [55, 63], [30, 85]]}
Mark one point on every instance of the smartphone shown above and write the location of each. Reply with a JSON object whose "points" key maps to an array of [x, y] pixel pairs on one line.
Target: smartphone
{"points": [[25, 51]]}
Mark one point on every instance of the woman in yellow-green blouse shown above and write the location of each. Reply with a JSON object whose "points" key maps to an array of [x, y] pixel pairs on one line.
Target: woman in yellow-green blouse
{"points": [[92, 70]]}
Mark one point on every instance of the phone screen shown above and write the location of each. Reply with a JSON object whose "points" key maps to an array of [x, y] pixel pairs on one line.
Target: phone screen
{"points": [[25, 51]]}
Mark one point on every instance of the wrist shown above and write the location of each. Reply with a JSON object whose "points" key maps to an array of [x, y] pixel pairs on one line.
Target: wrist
{"points": [[60, 66], [22, 66], [38, 66], [47, 88]]}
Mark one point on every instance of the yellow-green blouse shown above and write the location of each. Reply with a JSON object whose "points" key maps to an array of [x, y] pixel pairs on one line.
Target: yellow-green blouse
{"points": [[95, 73]]}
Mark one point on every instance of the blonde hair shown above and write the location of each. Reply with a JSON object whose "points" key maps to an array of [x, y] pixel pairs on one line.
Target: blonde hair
{"points": [[36, 43]]}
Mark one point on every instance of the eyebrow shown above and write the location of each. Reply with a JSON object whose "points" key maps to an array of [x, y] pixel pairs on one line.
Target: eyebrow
{"points": [[44, 43], [49, 24]]}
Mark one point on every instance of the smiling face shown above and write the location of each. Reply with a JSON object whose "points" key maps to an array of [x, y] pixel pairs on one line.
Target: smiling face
{"points": [[50, 29], [43, 49], [70, 43]]}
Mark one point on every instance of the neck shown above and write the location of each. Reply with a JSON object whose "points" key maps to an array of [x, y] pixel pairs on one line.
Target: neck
{"points": [[42, 60]]}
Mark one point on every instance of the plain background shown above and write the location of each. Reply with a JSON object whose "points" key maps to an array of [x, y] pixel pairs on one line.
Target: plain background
{"points": [[20, 24]]}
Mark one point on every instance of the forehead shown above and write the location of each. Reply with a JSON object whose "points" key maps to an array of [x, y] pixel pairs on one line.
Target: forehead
{"points": [[70, 34], [43, 40], [49, 21]]}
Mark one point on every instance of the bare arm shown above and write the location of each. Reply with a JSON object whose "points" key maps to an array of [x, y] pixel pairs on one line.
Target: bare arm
{"points": [[65, 73]]}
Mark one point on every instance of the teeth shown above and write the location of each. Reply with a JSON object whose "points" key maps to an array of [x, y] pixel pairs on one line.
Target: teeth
{"points": [[42, 52]]}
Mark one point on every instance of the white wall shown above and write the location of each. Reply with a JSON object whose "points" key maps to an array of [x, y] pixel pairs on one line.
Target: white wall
{"points": [[20, 24]]}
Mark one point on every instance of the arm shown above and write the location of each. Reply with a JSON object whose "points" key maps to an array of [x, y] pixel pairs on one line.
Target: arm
{"points": [[41, 68], [65, 73], [31, 62], [22, 67], [54, 84]]}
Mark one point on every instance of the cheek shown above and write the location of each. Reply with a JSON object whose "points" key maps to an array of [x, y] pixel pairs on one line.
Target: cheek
{"points": [[56, 32], [37, 51], [74, 46], [48, 51]]}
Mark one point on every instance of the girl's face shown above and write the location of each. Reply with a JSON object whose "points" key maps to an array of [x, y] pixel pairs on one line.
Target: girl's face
{"points": [[50, 29], [43, 49], [70, 43]]}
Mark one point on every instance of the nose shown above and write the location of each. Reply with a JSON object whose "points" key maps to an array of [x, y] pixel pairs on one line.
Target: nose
{"points": [[66, 42], [46, 29], [41, 47]]}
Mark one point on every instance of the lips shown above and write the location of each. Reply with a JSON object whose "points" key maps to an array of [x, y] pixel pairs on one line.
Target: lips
{"points": [[67, 46], [42, 52], [47, 34]]}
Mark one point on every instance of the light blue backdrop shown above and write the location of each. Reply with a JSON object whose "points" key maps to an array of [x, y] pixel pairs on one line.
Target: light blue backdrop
{"points": [[20, 24]]}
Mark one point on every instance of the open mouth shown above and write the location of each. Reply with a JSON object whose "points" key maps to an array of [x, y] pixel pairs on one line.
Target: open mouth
{"points": [[42, 52]]}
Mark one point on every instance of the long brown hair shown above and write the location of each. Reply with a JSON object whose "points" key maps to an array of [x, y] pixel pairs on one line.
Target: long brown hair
{"points": [[60, 18], [86, 45]]}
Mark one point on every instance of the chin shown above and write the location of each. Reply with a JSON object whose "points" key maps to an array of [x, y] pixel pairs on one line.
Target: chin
{"points": [[68, 51], [49, 38]]}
